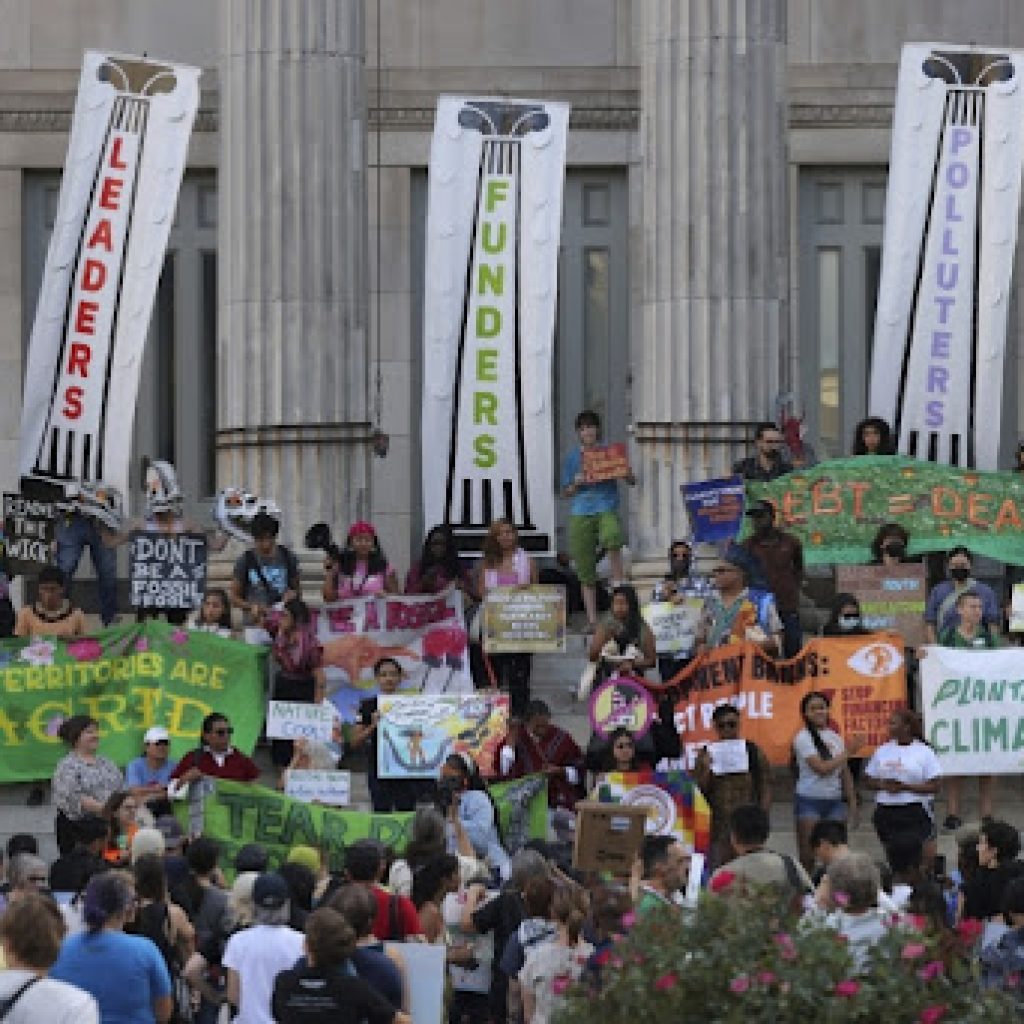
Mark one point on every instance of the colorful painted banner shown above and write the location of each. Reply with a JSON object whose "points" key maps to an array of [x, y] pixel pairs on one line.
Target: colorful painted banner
{"points": [[416, 734], [29, 529], [675, 805], [952, 207], [974, 709], [605, 462], [864, 677], [622, 702], [125, 159], [891, 597], [524, 620], [715, 508], [674, 624], [236, 813], [494, 212], [128, 678], [425, 635], [836, 507]]}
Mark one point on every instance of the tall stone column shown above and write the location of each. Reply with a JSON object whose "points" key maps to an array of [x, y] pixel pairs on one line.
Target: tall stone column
{"points": [[292, 357], [709, 359]]}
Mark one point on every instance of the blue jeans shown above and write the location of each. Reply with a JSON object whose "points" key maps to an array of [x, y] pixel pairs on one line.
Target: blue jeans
{"points": [[74, 535]]}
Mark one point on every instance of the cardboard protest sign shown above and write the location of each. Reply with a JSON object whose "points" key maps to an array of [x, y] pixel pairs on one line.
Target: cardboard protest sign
{"points": [[237, 813], [608, 837], [622, 702], [295, 720], [319, 786], [674, 802], [416, 734], [864, 678], [836, 507], [128, 678], [674, 624], [715, 508], [891, 597], [29, 529], [167, 570], [524, 620], [605, 462], [425, 635], [973, 704], [425, 969]]}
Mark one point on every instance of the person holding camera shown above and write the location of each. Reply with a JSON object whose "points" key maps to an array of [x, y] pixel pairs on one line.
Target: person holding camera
{"points": [[463, 798], [360, 568]]}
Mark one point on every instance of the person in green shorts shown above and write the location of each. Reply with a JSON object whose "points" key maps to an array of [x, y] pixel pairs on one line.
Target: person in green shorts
{"points": [[594, 515]]}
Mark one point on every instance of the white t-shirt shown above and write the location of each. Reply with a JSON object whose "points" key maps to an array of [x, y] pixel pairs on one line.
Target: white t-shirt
{"points": [[809, 783], [913, 762], [55, 1002], [258, 955]]}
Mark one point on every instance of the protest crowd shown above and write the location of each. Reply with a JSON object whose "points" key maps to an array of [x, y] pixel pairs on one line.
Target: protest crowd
{"points": [[146, 916]]}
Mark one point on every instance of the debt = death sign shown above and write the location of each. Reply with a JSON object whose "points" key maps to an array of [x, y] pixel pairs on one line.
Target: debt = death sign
{"points": [[167, 571]]}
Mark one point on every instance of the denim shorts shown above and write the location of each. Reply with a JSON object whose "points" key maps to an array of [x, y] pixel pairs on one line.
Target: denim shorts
{"points": [[819, 808]]}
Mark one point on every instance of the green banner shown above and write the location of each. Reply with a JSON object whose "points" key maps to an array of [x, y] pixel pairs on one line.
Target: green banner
{"points": [[237, 813], [128, 678], [836, 507]]}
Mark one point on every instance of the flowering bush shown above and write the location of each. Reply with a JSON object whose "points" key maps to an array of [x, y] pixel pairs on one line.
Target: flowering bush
{"points": [[738, 959]]}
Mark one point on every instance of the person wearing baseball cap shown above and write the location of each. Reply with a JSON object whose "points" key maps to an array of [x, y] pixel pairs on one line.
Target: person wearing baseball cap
{"points": [[147, 776], [361, 568], [255, 956]]}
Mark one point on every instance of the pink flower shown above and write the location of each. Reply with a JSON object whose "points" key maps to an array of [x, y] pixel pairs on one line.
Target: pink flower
{"points": [[86, 649], [931, 970], [628, 919], [913, 950], [739, 984], [665, 982], [969, 929], [722, 880], [560, 984], [602, 958], [916, 921], [142, 644], [932, 1014], [847, 989], [840, 899], [179, 636], [766, 978], [787, 949], [1013, 980]]}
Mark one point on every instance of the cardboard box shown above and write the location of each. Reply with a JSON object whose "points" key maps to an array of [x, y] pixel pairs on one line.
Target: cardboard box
{"points": [[608, 836]]}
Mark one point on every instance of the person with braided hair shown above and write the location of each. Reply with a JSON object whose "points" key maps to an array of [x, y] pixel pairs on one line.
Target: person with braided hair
{"points": [[824, 785]]}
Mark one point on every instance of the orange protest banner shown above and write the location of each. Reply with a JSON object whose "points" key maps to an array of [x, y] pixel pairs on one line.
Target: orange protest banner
{"points": [[608, 462], [864, 678]]}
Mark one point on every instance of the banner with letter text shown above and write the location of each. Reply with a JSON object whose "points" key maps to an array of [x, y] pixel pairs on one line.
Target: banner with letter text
{"points": [[974, 709], [836, 507], [125, 160], [128, 678], [715, 508], [494, 213], [864, 678], [425, 635], [237, 813]]}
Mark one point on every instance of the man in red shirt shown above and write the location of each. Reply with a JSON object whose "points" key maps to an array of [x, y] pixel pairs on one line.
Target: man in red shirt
{"points": [[396, 916], [214, 758]]}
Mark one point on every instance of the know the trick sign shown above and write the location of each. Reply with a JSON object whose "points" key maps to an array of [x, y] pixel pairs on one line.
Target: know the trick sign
{"points": [[167, 570]]}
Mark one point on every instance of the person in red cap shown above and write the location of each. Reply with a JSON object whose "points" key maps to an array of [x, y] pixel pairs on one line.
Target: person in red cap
{"points": [[362, 568]]}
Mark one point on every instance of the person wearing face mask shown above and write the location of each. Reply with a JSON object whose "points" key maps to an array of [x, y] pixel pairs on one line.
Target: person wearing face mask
{"points": [[890, 545], [845, 618], [767, 462], [941, 612], [680, 584]]}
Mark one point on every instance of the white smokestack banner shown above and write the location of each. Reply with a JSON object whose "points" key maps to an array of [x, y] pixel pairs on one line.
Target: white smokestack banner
{"points": [[494, 214], [124, 164], [950, 232]]}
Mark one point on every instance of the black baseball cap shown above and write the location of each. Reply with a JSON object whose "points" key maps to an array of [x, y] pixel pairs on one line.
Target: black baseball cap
{"points": [[270, 891]]}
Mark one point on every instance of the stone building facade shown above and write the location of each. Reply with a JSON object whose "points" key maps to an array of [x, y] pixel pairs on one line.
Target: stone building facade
{"points": [[721, 239]]}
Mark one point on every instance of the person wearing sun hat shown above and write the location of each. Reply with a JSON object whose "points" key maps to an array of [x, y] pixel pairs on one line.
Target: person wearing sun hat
{"points": [[361, 568], [147, 776]]}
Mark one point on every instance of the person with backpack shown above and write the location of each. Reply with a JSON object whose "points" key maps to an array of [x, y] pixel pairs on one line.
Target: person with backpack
{"points": [[265, 575], [396, 916], [729, 786]]}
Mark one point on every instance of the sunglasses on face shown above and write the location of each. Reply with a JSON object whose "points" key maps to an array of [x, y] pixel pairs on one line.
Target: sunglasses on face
{"points": [[223, 731], [728, 723], [160, 743]]}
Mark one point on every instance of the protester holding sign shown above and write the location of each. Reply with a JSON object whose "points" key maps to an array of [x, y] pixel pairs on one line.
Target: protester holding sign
{"points": [[594, 514], [361, 568], [52, 614], [625, 627], [844, 617], [266, 574], [473, 806], [505, 564]]}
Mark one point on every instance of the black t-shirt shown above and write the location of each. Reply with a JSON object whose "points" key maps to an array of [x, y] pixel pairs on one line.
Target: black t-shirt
{"points": [[983, 894], [310, 996], [70, 873], [367, 708]]}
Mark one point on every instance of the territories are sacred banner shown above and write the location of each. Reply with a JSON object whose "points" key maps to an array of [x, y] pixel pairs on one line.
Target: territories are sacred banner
{"points": [[128, 678], [864, 678], [236, 813], [836, 507], [494, 214], [125, 159], [974, 709], [425, 635]]}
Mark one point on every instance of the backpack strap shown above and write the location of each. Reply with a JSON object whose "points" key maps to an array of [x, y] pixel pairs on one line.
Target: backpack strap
{"points": [[796, 883], [7, 1004], [252, 562]]}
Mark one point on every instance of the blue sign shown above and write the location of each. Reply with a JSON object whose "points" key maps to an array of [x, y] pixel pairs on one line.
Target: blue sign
{"points": [[715, 508]]}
